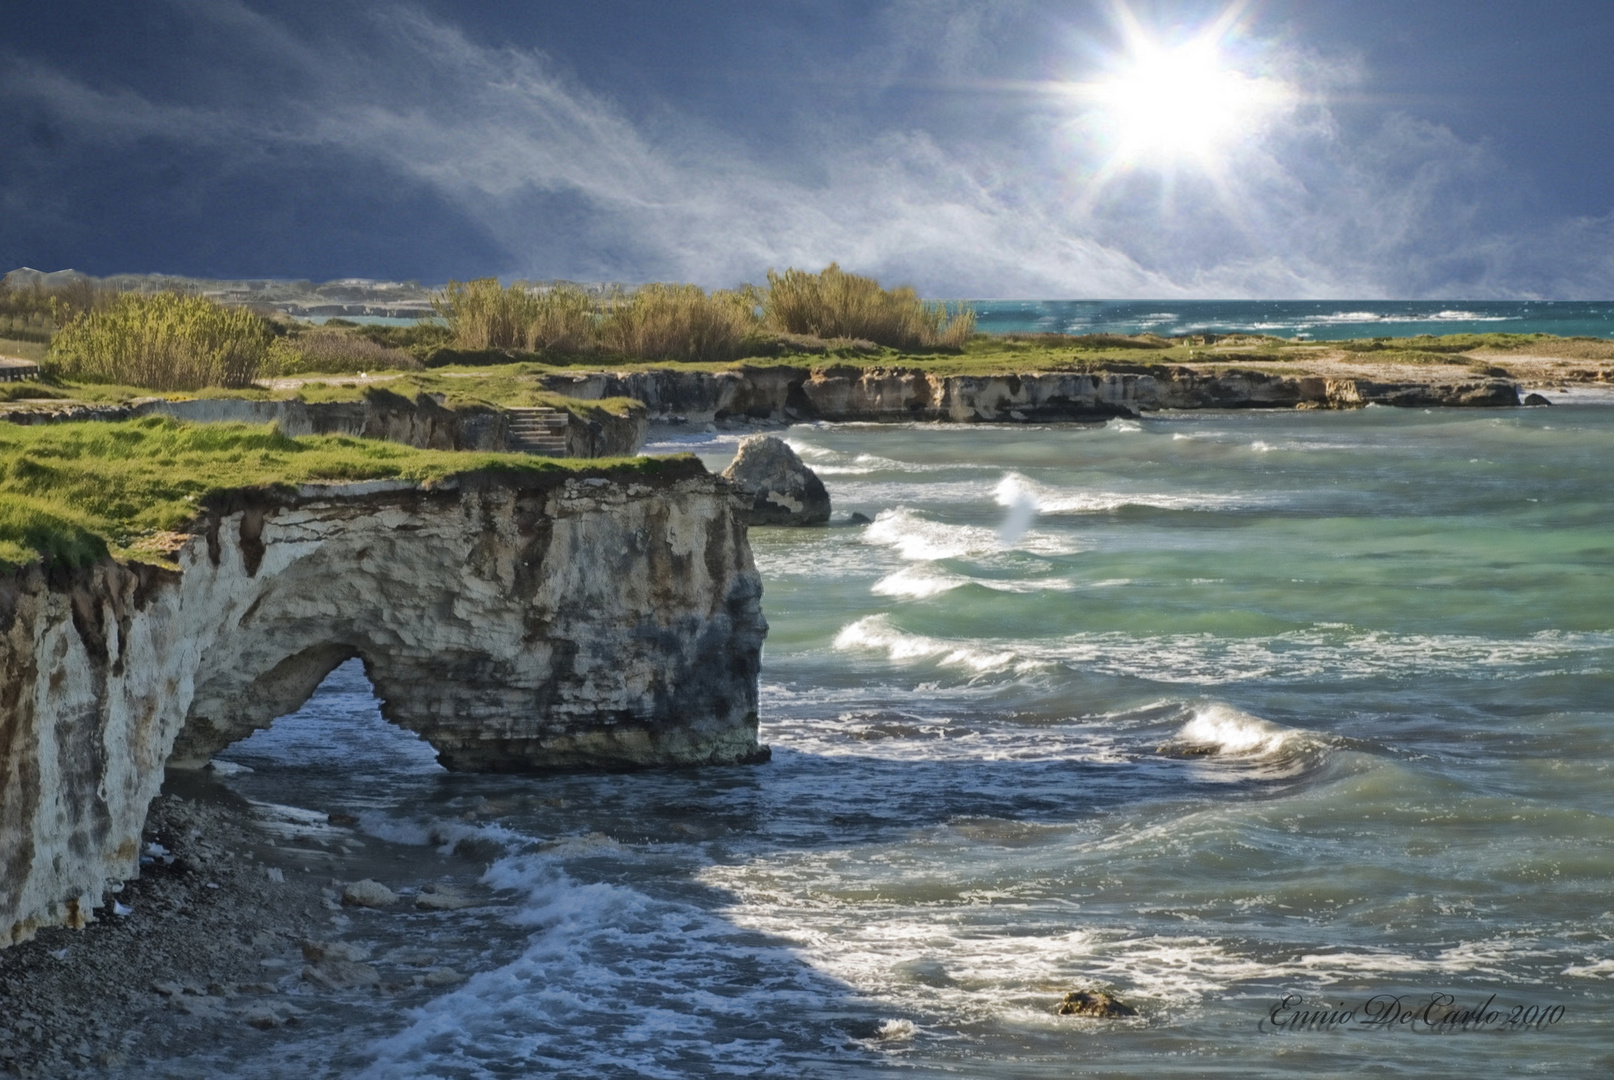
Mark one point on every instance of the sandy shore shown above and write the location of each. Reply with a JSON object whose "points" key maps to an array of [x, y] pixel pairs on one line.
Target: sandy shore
{"points": [[240, 930]]}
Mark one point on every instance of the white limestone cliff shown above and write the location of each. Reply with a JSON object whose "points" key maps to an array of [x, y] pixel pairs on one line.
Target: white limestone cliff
{"points": [[519, 622]]}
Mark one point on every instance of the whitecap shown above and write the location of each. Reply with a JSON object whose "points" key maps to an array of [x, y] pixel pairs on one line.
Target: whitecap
{"points": [[1014, 489], [925, 580], [1346, 317], [1468, 316], [917, 582], [1227, 732], [1297, 656], [875, 633], [920, 539]]}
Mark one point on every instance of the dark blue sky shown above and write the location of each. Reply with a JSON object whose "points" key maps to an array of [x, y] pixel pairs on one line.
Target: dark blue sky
{"points": [[1437, 149]]}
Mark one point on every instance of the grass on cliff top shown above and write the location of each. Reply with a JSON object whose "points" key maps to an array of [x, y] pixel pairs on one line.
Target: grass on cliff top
{"points": [[73, 493], [511, 378], [511, 385]]}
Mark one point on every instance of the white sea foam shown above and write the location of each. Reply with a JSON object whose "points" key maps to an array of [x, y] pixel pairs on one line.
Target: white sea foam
{"points": [[918, 582], [1206, 659], [1015, 489], [876, 634], [1225, 735], [560, 1006], [1469, 316], [915, 537], [1345, 317]]}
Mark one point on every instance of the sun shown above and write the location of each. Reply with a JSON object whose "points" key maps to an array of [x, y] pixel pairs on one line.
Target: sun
{"points": [[1164, 104]]}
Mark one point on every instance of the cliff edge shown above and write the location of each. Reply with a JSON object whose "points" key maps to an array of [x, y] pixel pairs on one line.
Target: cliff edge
{"points": [[517, 622]]}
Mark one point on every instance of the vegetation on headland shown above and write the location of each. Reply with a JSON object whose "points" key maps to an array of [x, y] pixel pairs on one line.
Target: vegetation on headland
{"points": [[834, 304], [513, 378], [686, 323], [165, 341], [499, 339], [73, 493]]}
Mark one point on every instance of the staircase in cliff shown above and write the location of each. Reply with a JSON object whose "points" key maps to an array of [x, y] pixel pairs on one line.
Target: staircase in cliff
{"points": [[537, 431]]}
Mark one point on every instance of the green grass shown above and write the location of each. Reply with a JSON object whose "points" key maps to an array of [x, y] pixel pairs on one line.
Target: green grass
{"points": [[1450, 343], [504, 378], [24, 348], [509, 385], [73, 493]]}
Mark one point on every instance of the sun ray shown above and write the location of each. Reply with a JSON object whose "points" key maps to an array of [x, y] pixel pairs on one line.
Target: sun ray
{"points": [[1167, 104]]}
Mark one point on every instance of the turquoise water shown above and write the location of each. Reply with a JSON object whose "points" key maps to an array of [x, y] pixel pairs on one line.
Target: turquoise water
{"points": [[1203, 709], [1317, 320]]}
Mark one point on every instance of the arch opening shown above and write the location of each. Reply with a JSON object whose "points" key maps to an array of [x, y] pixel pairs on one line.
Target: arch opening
{"points": [[336, 747]]}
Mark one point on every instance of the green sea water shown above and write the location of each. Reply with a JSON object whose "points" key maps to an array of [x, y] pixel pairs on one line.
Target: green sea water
{"points": [[1205, 710]]}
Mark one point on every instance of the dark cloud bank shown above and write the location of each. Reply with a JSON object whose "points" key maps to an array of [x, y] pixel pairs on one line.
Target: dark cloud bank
{"points": [[915, 140]]}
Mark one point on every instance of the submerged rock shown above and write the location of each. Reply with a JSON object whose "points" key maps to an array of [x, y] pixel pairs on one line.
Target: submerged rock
{"points": [[1094, 1003], [442, 898], [369, 893], [779, 489]]}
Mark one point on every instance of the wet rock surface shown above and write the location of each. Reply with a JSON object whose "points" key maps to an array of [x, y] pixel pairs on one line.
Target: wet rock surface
{"points": [[776, 486], [212, 946], [1095, 1003]]}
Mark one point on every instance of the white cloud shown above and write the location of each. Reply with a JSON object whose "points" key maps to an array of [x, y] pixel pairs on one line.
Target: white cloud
{"points": [[503, 133]]}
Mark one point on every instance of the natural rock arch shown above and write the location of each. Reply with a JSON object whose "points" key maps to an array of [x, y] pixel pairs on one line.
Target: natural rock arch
{"points": [[517, 622]]}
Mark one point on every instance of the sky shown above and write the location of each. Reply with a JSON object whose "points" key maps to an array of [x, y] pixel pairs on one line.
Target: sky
{"points": [[1366, 149]]}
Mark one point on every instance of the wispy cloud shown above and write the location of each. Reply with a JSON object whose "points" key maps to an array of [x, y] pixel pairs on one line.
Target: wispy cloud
{"points": [[545, 165]]}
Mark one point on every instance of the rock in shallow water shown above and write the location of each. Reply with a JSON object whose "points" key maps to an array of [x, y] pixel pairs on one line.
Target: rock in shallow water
{"points": [[368, 893], [779, 489], [1094, 1003], [442, 898]]}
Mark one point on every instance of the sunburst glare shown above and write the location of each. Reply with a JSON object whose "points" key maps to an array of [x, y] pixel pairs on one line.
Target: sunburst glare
{"points": [[1165, 103]]}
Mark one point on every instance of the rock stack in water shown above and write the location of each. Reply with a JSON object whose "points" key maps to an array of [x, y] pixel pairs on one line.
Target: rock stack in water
{"points": [[777, 488]]}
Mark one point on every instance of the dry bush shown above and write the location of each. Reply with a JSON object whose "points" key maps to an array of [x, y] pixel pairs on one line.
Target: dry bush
{"points": [[162, 341], [334, 352], [835, 304], [482, 314], [680, 322]]}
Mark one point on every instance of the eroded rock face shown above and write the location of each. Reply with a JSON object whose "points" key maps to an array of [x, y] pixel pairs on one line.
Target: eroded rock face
{"points": [[774, 485], [517, 623], [854, 392], [423, 422]]}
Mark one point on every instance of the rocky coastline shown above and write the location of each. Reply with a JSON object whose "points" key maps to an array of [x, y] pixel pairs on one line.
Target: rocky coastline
{"points": [[424, 422], [237, 924], [854, 393], [517, 622]]}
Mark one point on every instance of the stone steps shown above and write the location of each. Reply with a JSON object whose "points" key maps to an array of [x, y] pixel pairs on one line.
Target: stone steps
{"points": [[537, 431]]}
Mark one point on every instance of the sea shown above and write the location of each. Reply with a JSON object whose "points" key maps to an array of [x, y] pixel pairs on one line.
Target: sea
{"points": [[1306, 320], [1292, 731]]}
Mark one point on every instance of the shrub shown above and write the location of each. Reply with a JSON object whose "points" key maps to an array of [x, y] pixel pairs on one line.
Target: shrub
{"points": [[835, 304], [483, 315], [333, 352], [31, 312], [162, 341], [680, 322]]}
